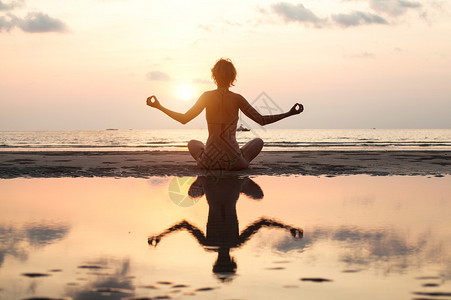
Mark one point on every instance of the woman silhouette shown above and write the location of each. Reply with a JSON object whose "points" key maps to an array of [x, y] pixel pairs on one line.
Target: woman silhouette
{"points": [[222, 108]]}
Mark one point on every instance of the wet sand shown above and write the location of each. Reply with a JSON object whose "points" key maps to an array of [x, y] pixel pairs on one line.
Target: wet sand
{"points": [[145, 164]]}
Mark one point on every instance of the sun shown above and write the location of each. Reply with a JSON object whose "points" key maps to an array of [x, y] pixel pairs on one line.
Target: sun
{"points": [[184, 92]]}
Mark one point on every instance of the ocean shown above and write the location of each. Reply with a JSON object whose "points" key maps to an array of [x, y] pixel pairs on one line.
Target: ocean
{"points": [[275, 139]]}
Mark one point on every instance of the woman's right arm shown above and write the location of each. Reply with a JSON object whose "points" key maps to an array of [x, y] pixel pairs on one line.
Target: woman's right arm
{"points": [[193, 112], [254, 115]]}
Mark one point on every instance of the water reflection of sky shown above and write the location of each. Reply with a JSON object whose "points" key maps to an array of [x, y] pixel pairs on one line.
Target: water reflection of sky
{"points": [[18, 242], [372, 237]]}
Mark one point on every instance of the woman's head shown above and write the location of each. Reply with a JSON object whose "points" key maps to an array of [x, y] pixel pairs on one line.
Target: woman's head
{"points": [[224, 73]]}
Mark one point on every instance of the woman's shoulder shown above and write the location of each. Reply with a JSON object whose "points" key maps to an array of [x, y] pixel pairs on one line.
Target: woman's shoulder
{"points": [[236, 95], [208, 94]]}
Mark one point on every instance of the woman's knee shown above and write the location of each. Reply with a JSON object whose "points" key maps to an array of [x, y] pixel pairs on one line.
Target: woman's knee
{"points": [[252, 149], [259, 142], [256, 145], [195, 144], [191, 143], [195, 147]]}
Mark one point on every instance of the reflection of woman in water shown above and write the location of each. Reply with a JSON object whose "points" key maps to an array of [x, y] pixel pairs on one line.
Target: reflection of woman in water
{"points": [[222, 107], [222, 226]]}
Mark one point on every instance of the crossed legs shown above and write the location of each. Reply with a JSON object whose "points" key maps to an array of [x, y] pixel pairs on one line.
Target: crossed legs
{"points": [[250, 151]]}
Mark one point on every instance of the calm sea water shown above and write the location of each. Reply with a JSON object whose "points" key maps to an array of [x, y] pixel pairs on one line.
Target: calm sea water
{"points": [[275, 139]]}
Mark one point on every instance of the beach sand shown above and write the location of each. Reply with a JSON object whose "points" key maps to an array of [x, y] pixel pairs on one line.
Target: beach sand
{"points": [[143, 164]]}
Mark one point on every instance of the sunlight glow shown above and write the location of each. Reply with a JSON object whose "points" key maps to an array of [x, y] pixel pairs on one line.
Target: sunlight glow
{"points": [[184, 92]]}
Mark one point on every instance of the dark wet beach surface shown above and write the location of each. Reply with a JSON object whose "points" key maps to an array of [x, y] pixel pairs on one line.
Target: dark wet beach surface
{"points": [[359, 237], [143, 164]]}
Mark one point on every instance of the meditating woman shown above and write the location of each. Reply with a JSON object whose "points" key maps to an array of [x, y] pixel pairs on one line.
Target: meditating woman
{"points": [[222, 108]]}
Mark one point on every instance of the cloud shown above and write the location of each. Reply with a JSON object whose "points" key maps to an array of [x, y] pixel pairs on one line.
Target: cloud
{"points": [[388, 8], [158, 75], [7, 22], [41, 22], [296, 13], [36, 22], [358, 18], [230, 23], [205, 28], [201, 81], [11, 4], [362, 55], [393, 7]]}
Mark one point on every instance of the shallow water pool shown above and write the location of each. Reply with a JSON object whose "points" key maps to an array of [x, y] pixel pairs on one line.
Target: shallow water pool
{"points": [[264, 237]]}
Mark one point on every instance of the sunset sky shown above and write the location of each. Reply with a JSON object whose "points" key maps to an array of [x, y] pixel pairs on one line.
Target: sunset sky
{"points": [[91, 64]]}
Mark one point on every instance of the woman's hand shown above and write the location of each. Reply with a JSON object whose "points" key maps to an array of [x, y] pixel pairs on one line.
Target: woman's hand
{"points": [[296, 109], [152, 101]]}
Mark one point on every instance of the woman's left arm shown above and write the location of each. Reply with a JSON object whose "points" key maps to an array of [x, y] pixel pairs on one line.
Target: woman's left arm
{"points": [[254, 115]]}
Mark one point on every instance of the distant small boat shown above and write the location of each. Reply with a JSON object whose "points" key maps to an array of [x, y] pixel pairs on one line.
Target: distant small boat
{"points": [[242, 128], [111, 129]]}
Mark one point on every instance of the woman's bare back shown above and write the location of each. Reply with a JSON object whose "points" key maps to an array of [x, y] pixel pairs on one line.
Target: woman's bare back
{"points": [[222, 150]]}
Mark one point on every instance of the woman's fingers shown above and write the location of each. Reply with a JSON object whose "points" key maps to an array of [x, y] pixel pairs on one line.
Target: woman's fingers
{"points": [[298, 108], [152, 101]]}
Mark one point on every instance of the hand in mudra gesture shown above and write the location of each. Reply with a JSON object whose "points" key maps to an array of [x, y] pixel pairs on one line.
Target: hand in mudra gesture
{"points": [[296, 109], [152, 101]]}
